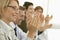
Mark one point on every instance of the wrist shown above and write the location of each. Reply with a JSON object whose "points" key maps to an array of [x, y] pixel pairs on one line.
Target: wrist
{"points": [[31, 34]]}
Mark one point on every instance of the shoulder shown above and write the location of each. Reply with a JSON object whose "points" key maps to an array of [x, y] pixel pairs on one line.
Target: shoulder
{"points": [[2, 32], [1, 29]]}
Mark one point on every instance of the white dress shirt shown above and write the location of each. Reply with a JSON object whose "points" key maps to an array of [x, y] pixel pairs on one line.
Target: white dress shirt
{"points": [[6, 32], [41, 36], [20, 34]]}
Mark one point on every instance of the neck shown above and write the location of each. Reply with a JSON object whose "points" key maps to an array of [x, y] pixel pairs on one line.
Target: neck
{"points": [[5, 20]]}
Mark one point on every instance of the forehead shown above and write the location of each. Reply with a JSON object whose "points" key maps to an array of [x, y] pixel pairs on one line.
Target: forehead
{"points": [[30, 6], [39, 10], [13, 3], [21, 10]]}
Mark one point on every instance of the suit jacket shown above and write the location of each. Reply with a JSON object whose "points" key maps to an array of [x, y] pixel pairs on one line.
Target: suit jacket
{"points": [[23, 26], [6, 32]]}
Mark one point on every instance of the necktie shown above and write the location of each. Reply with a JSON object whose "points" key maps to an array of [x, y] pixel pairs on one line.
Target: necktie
{"points": [[15, 29], [8, 38]]}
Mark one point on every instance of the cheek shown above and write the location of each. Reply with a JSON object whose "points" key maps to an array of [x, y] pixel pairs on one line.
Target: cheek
{"points": [[10, 12], [40, 13], [29, 11], [7, 15], [22, 18], [12, 17]]}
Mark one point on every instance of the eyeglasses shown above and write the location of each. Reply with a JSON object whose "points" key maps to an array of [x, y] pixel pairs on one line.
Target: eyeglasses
{"points": [[14, 8]]}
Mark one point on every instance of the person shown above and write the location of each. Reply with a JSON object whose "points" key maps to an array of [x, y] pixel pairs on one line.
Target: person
{"points": [[40, 17], [7, 14], [21, 14], [24, 24], [14, 24], [29, 13], [42, 21]]}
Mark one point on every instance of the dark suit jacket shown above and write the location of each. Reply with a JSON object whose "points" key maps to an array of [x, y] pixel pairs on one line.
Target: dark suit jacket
{"points": [[23, 26]]}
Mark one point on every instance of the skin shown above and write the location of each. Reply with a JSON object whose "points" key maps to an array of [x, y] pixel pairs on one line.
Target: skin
{"points": [[39, 15], [41, 19], [29, 13], [20, 17], [9, 14]]}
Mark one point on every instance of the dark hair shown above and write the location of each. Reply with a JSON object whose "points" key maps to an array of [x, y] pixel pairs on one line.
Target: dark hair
{"points": [[38, 7], [21, 8], [27, 4]]}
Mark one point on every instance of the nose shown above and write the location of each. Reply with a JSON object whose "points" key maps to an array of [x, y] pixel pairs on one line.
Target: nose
{"points": [[14, 15], [17, 12]]}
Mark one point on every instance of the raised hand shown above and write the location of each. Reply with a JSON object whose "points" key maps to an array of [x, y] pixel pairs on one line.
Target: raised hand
{"points": [[47, 18]]}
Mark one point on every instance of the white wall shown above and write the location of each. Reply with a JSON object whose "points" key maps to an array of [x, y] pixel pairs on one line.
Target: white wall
{"points": [[53, 34], [54, 8]]}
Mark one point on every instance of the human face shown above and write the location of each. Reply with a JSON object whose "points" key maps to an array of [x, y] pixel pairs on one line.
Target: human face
{"points": [[39, 12], [29, 12], [20, 16], [11, 11], [39, 15], [30, 9]]}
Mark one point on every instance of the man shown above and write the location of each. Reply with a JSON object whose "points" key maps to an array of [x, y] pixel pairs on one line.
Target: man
{"points": [[8, 14], [41, 24], [14, 24]]}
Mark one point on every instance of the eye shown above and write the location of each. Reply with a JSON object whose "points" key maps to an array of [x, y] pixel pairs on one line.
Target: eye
{"points": [[12, 7]]}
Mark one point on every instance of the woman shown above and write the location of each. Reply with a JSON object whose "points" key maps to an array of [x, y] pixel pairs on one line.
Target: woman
{"points": [[8, 12]]}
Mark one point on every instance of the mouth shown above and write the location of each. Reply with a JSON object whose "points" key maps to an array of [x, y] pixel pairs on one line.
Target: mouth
{"points": [[14, 16]]}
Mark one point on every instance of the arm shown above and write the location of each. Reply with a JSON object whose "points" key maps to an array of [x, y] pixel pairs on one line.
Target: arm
{"points": [[42, 28], [31, 32]]}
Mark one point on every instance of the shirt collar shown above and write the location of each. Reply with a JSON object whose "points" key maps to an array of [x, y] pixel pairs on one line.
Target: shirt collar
{"points": [[12, 25], [4, 25]]}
